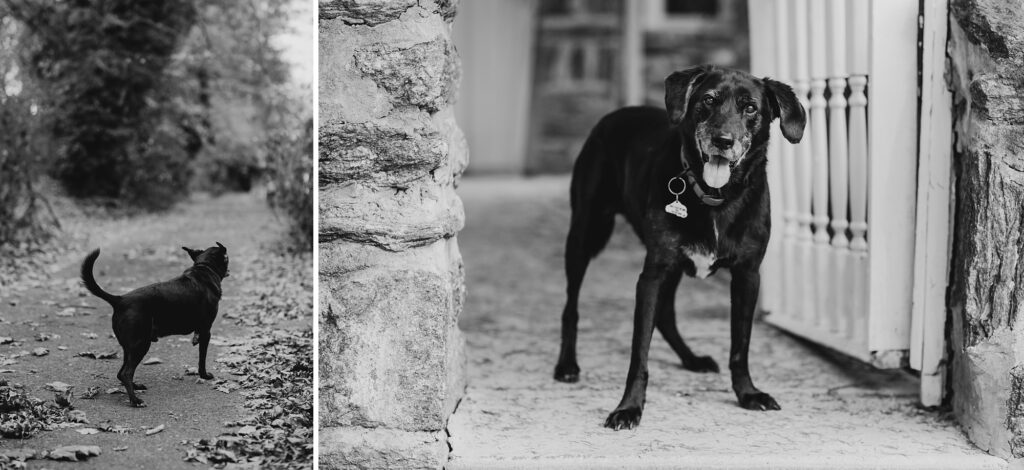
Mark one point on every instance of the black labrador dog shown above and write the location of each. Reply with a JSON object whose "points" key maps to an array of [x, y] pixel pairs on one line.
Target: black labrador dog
{"points": [[184, 305], [693, 185]]}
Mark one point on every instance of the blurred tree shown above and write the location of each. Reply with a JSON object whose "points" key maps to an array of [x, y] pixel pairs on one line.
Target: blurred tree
{"points": [[240, 87], [22, 217], [100, 65]]}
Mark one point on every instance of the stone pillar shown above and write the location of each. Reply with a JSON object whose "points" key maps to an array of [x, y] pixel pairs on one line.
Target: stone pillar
{"points": [[986, 297], [392, 367]]}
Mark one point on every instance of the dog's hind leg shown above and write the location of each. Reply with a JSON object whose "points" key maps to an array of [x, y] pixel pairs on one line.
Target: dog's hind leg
{"points": [[132, 357], [589, 231], [665, 321]]}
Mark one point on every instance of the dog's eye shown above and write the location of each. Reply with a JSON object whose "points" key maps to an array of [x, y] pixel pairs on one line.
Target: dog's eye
{"points": [[750, 109], [709, 100]]}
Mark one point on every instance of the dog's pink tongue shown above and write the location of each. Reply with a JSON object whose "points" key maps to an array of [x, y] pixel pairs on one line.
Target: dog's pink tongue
{"points": [[716, 172]]}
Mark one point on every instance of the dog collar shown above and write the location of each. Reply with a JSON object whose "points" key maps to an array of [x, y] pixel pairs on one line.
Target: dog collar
{"points": [[707, 199]]}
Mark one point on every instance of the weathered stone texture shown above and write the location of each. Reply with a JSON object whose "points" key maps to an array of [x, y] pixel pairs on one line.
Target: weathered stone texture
{"points": [[391, 354], [347, 448], [986, 297], [421, 75]]}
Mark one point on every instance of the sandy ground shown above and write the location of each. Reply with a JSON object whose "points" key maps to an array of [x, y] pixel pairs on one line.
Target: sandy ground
{"points": [[137, 251], [835, 412]]}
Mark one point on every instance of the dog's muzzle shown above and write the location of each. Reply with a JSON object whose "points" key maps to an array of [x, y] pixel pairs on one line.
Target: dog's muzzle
{"points": [[718, 163]]}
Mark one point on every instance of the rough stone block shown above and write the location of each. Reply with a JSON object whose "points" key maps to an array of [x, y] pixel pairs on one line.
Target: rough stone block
{"points": [[367, 449], [368, 12], [390, 351], [379, 151], [393, 219], [422, 75]]}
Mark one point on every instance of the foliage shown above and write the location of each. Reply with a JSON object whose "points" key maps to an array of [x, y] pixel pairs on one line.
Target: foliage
{"points": [[278, 371], [232, 69], [290, 182], [22, 217], [100, 65]]}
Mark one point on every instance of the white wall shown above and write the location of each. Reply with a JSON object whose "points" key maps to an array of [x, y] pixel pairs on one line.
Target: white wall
{"points": [[495, 39]]}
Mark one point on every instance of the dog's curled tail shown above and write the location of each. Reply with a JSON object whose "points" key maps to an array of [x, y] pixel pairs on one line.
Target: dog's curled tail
{"points": [[90, 281]]}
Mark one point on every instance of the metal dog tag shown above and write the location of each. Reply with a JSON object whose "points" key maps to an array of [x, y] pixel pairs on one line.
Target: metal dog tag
{"points": [[677, 209]]}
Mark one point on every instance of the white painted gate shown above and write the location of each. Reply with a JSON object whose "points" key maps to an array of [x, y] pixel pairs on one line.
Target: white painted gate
{"points": [[858, 259]]}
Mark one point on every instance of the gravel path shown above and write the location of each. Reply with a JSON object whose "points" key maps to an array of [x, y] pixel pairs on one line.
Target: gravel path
{"points": [[834, 412]]}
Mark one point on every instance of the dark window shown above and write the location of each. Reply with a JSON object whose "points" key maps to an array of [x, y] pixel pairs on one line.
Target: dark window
{"points": [[691, 7], [554, 7]]}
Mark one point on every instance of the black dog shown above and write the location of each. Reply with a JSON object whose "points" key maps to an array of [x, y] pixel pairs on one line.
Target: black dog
{"points": [[709, 148], [183, 305]]}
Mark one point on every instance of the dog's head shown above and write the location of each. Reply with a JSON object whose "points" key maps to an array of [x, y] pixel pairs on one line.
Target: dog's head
{"points": [[215, 257], [727, 113]]}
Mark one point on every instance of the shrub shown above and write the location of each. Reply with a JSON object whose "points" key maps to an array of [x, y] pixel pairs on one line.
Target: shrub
{"points": [[290, 181]]}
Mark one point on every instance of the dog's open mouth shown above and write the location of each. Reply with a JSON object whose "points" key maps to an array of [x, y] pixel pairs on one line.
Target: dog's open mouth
{"points": [[717, 168]]}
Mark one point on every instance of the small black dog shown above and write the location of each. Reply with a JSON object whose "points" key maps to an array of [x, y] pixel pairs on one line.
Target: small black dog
{"points": [[692, 183], [183, 305]]}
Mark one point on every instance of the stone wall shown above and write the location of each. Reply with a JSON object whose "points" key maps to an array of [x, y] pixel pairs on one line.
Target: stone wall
{"points": [[986, 295], [391, 280]]}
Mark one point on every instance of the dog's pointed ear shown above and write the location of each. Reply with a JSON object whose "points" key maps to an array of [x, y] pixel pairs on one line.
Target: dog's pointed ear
{"points": [[222, 246], [192, 253], [679, 88], [786, 107]]}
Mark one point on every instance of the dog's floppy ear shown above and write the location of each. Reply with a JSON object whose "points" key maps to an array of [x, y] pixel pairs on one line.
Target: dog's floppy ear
{"points": [[679, 88], [785, 106], [192, 253]]}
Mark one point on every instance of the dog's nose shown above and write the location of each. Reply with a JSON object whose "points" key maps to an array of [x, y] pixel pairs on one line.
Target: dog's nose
{"points": [[723, 141]]}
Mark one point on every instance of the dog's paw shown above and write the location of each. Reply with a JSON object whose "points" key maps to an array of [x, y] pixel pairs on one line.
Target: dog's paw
{"points": [[138, 386], [758, 401], [568, 373], [701, 364], [628, 418], [206, 375]]}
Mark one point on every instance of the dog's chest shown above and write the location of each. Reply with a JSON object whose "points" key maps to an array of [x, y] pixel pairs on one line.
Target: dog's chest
{"points": [[703, 255]]}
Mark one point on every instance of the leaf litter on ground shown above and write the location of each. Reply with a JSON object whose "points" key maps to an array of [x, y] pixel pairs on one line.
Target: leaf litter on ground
{"points": [[278, 386]]}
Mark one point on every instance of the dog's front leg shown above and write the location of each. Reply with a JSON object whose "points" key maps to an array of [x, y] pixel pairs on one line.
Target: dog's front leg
{"points": [[652, 293], [744, 289], [204, 345]]}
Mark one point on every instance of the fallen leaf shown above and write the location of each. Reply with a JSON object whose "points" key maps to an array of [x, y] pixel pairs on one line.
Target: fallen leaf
{"points": [[87, 431], [7, 371], [90, 392], [66, 312], [59, 387], [6, 339], [223, 389], [90, 335], [77, 416], [115, 390], [96, 355], [63, 399], [150, 432], [62, 348], [120, 449], [73, 453], [21, 454], [152, 360], [246, 430], [40, 352]]}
